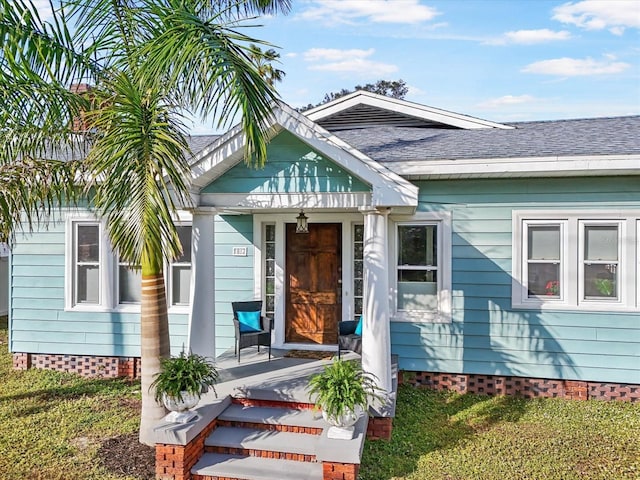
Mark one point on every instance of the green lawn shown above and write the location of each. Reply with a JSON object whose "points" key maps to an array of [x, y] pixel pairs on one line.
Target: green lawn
{"points": [[454, 437], [57, 426], [60, 427]]}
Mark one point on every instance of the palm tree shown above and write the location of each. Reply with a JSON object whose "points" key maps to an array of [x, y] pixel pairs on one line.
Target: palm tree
{"points": [[150, 61], [263, 59]]}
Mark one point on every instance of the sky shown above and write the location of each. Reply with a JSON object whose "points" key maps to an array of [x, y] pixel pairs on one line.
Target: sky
{"points": [[500, 60]]}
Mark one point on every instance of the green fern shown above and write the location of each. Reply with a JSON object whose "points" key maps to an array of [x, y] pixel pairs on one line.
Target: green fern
{"points": [[342, 387], [186, 373]]}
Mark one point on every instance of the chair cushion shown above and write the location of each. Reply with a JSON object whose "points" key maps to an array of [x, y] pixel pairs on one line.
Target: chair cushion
{"points": [[359, 327], [249, 322]]}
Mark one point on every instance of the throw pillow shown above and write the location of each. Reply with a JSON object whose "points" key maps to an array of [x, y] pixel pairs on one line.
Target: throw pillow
{"points": [[249, 321], [359, 327]]}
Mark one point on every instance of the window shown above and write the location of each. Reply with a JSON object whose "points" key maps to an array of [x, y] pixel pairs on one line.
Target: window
{"points": [[574, 260], [270, 270], [129, 283], [423, 270], [180, 269], [358, 270], [543, 264], [86, 264], [97, 279], [417, 267], [600, 259]]}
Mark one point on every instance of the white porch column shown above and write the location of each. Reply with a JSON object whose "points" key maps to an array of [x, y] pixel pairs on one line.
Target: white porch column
{"points": [[376, 335], [201, 333]]}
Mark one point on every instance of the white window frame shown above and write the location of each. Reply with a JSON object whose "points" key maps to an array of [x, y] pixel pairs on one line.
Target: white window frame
{"points": [[443, 222], [109, 269], [105, 264], [572, 258], [180, 308]]}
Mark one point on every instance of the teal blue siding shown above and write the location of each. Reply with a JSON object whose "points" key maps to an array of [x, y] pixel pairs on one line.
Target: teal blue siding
{"points": [[487, 336], [39, 322], [233, 275], [293, 167]]}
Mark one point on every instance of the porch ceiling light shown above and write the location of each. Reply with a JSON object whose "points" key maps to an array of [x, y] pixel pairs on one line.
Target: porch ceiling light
{"points": [[302, 225]]}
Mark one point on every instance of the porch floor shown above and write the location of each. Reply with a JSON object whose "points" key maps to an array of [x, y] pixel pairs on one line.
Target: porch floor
{"points": [[280, 379]]}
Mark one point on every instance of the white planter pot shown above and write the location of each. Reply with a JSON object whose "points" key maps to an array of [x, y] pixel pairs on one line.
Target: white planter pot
{"points": [[174, 404], [343, 426]]}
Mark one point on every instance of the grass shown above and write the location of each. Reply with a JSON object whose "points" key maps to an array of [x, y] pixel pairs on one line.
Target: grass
{"points": [[53, 425], [60, 427], [448, 436]]}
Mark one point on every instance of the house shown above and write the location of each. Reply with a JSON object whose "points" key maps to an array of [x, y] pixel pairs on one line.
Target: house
{"points": [[489, 257]]}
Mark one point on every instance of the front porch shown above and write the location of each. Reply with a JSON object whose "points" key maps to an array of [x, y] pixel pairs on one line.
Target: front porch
{"points": [[262, 425]]}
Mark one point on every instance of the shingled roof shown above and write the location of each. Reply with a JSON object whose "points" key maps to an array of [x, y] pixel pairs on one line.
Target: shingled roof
{"points": [[594, 136]]}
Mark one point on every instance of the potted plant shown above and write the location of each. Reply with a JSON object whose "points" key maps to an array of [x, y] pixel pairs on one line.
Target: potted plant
{"points": [[343, 392], [181, 381]]}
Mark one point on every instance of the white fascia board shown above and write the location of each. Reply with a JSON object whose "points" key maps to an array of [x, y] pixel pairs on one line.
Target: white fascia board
{"points": [[279, 201], [403, 107], [519, 167], [388, 188]]}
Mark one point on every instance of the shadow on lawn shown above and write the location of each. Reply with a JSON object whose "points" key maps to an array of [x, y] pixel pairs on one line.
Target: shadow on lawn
{"points": [[60, 388], [428, 421]]}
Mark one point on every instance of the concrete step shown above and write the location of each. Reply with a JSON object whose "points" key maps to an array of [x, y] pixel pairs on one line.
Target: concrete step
{"points": [[262, 443], [273, 418], [254, 468]]}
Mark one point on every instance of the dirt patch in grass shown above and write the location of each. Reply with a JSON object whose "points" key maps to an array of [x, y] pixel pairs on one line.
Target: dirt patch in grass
{"points": [[125, 455]]}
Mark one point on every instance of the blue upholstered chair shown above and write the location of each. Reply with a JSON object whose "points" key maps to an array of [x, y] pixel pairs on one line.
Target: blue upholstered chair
{"points": [[251, 328], [349, 336]]}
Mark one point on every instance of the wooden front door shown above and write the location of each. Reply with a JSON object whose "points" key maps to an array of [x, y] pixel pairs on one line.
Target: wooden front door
{"points": [[314, 276]]}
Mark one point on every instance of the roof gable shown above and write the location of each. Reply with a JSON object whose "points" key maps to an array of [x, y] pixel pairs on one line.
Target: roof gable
{"points": [[387, 188], [293, 167], [363, 109]]}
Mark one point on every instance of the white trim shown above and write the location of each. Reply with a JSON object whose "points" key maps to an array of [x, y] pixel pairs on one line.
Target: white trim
{"points": [[105, 289], [444, 312], [256, 201], [554, 166], [431, 114], [573, 248]]}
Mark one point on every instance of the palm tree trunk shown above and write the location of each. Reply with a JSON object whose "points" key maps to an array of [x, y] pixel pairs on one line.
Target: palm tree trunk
{"points": [[154, 344]]}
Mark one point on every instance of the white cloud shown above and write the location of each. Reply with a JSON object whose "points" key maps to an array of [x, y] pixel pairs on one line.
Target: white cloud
{"points": [[377, 11], [530, 37], [352, 61], [44, 9], [572, 67], [615, 15], [506, 100]]}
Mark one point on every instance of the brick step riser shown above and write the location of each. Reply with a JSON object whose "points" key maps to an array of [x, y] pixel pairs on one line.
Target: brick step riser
{"points": [[269, 426], [255, 402], [251, 452]]}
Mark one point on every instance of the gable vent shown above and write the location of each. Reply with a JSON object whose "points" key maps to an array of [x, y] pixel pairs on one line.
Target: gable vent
{"points": [[363, 116]]}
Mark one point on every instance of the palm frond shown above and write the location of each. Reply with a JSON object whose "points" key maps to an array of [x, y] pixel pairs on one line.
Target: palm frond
{"points": [[140, 169], [208, 64], [30, 189]]}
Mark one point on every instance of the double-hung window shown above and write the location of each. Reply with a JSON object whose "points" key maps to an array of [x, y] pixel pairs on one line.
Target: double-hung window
{"points": [[180, 269], [86, 280], [422, 271], [575, 260], [87, 266], [97, 279]]}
